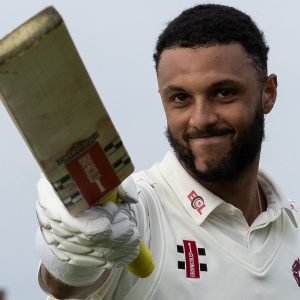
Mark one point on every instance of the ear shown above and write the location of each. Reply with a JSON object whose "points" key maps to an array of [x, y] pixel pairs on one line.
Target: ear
{"points": [[269, 93]]}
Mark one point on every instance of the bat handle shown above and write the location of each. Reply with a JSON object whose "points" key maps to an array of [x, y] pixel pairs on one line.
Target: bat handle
{"points": [[143, 265]]}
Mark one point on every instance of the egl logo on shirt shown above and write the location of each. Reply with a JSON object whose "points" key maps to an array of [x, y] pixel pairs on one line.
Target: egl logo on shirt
{"points": [[197, 201]]}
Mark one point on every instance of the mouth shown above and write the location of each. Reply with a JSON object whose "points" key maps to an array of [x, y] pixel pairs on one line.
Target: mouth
{"points": [[207, 137], [209, 140]]}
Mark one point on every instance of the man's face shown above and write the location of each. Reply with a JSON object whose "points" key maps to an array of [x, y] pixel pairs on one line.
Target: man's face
{"points": [[214, 105]]}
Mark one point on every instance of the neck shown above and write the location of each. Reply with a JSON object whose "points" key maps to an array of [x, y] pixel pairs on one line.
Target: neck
{"points": [[242, 193]]}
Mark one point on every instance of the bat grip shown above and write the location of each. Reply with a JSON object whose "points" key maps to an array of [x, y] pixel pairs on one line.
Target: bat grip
{"points": [[143, 265]]}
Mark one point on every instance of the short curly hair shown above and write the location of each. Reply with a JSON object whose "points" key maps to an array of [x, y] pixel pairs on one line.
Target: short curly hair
{"points": [[208, 25]]}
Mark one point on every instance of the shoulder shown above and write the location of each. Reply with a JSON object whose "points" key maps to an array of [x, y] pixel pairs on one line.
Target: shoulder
{"points": [[294, 210], [275, 195], [150, 183], [154, 174]]}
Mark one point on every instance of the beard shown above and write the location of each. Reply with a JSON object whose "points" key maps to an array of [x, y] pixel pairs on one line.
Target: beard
{"points": [[243, 152]]}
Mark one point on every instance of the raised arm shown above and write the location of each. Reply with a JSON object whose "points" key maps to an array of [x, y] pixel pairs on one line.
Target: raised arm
{"points": [[80, 254]]}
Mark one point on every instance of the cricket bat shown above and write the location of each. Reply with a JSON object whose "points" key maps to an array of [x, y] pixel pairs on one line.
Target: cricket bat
{"points": [[54, 104]]}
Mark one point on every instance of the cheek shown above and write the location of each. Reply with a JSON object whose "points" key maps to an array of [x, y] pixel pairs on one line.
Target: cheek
{"points": [[238, 116], [177, 123], [246, 117]]}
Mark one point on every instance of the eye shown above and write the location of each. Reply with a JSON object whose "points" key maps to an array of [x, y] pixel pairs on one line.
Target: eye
{"points": [[180, 97], [224, 94]]}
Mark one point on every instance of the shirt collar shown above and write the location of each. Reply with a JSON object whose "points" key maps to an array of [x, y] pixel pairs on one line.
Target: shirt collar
{"points": [[199, 202], [196, 199]]}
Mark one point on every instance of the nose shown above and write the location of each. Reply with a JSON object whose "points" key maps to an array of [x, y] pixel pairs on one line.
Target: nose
{"points": [[202, 114]]}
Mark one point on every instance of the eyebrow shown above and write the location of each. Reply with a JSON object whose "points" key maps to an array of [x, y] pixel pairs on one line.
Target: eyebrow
{"points": [[174, 88], [221, 83]]}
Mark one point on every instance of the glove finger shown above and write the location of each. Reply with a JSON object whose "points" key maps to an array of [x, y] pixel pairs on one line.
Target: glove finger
{"points": [[68, 246], [94, 221], [59, 230], [48, 200], [54, 209], [62, 256], [48, 236], [43, 220], [87, 241], [59, 234], [85, 261], [72, 253], [51, 241]]}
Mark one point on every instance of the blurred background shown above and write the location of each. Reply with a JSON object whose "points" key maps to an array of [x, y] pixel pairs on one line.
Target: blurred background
{"points": [[116, 40]]}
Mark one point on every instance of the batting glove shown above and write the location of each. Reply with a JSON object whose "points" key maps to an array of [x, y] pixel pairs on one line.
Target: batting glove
{"points": [[101, 237]]}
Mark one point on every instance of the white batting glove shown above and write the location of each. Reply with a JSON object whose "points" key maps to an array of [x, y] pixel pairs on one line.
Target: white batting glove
{"points": [[100, 237]]}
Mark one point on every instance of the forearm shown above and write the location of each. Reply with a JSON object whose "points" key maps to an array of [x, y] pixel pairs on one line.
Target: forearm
{"points": [[60, 290]]}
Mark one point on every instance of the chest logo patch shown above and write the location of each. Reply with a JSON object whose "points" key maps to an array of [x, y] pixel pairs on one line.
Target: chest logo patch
{"points": [[192, 262], [296, 271], [197, 201]]}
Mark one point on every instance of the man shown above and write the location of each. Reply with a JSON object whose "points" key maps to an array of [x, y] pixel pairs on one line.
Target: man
{"points": [[217, 228]]}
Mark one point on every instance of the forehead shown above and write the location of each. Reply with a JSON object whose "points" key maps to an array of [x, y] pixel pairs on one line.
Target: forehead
{"points": [[205, 64]]}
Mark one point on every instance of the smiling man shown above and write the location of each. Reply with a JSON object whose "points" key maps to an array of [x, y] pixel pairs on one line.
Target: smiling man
{"points": [[218, 228], [215, 103]]}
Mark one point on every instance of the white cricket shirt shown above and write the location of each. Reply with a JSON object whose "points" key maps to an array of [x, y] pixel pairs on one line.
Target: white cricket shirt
{"points": [[203, 247]]}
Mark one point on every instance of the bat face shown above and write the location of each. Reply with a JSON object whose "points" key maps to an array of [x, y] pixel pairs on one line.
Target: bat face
{"points": [[49, 95]]}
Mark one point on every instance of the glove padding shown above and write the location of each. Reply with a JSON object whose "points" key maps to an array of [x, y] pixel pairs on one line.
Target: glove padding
{"points": [[102, 236]]}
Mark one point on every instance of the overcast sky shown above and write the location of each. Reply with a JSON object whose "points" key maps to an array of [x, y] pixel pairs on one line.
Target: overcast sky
{"points": [[115, 40]]}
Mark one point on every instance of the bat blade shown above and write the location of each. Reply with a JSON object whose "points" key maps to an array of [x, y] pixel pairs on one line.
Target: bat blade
{"points": [[53, 102], [50, 96]]}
